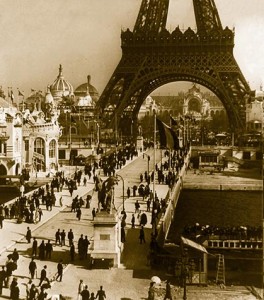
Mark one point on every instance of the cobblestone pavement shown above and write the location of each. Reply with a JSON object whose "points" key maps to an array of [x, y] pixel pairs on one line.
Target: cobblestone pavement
{"points": [[130, 281]]}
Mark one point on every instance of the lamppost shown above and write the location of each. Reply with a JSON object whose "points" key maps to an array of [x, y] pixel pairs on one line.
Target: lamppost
{"points": [[117, 175], [148, 157]]}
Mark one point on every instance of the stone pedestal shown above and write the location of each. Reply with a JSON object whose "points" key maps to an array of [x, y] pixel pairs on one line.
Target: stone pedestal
{"points": [[107, 244], [140, 146]]}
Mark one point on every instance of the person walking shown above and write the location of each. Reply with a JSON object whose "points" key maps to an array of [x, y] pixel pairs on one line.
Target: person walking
{"points": [[14, 290], [34, 247], [80, 288], [142, 235], [33, 292], [78, 213], [168, 291], [43, 275], [128, 192], [1, 221], [151, 292], [28, 235], [85, 293], [86, 244], [93, 213], [70, 237], [59, 270], [49, 249], [133, 221], [58, 237], [40, 213], [100, 294], [32, 268], [2, 279], [42, 249], [63, 235], [72, 252]]}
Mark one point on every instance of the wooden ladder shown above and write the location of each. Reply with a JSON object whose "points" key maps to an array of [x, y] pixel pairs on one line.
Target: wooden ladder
{"points": [[220, 275]]}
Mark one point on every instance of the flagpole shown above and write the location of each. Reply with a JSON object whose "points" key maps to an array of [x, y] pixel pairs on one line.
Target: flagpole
{"points": [[170, 148], [154, 171]]}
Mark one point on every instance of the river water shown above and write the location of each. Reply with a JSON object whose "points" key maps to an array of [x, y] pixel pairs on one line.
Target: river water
{"points": [[220, 208]]}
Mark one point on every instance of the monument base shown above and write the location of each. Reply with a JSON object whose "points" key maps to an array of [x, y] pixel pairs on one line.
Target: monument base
{"points": [[107, 245]]}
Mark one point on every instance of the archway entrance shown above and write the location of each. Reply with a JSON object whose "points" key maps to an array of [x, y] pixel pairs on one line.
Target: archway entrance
{"points": [[3, 172]]}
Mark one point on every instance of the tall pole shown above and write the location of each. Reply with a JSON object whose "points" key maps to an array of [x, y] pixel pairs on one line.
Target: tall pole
{"points": [[154, 177], [70, 163], [262, 203], [154, 156], [117, 175]]}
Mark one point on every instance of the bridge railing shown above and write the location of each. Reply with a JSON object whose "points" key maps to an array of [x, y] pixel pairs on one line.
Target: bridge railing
{"points": [[172, 200]]}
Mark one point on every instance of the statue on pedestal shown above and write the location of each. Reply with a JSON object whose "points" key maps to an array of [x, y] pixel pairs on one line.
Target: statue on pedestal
{"points": [[139, 130], [105, 192]]}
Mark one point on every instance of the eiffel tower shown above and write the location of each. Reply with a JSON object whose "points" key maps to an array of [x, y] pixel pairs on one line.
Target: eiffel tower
{"points": [[152, 56]]}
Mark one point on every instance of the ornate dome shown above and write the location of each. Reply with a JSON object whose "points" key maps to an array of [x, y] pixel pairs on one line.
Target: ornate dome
{"points": [[87, 89], [61, 87]]}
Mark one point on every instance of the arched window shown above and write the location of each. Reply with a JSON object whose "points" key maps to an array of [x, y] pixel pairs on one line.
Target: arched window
{"points": [[39, 155], [73, 130], [39, 146], [52, 149]]}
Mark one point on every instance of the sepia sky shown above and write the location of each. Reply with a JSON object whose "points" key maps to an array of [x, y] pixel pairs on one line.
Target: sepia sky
{"points": [[84, 36]]}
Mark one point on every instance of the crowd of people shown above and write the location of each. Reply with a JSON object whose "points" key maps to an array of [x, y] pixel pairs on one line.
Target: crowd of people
{"points": [[249, 233], [28, 209]]}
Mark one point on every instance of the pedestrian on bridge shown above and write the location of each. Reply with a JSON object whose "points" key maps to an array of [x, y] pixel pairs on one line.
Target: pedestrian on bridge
{"points": [[32, 268], [142, 235], [28, 235], [34, 247]]}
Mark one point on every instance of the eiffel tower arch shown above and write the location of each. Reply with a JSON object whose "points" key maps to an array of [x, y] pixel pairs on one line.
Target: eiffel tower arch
{"points": [[152, 56]]}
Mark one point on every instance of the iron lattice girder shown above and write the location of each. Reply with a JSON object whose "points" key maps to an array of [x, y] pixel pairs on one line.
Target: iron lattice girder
{"points": [[206, 16], [152, 17], [152, 58]]}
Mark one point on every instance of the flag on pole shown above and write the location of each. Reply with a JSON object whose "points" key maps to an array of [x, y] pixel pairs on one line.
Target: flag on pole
{"points": [[20, 93], [168, 138], [173, 121], [194, 245]]}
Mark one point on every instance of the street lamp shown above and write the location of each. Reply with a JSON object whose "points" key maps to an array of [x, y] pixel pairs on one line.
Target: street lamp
{"points": [[117, 175]]}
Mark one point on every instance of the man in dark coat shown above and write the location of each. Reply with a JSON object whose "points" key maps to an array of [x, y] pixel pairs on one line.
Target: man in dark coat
{"points": [[70, 237], [14, 290], [32, 268], [142, 235], [42, 249], [2, 279], [72, 252], [59, 271], [85, 293], [28, 235], [43, 275], [100, 294], [86, 244], [49, 249], [58, 237], [34, 247], [168, 291]]}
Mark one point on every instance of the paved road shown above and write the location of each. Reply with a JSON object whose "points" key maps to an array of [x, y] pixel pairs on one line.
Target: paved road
{"points": [[128, 279]]}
